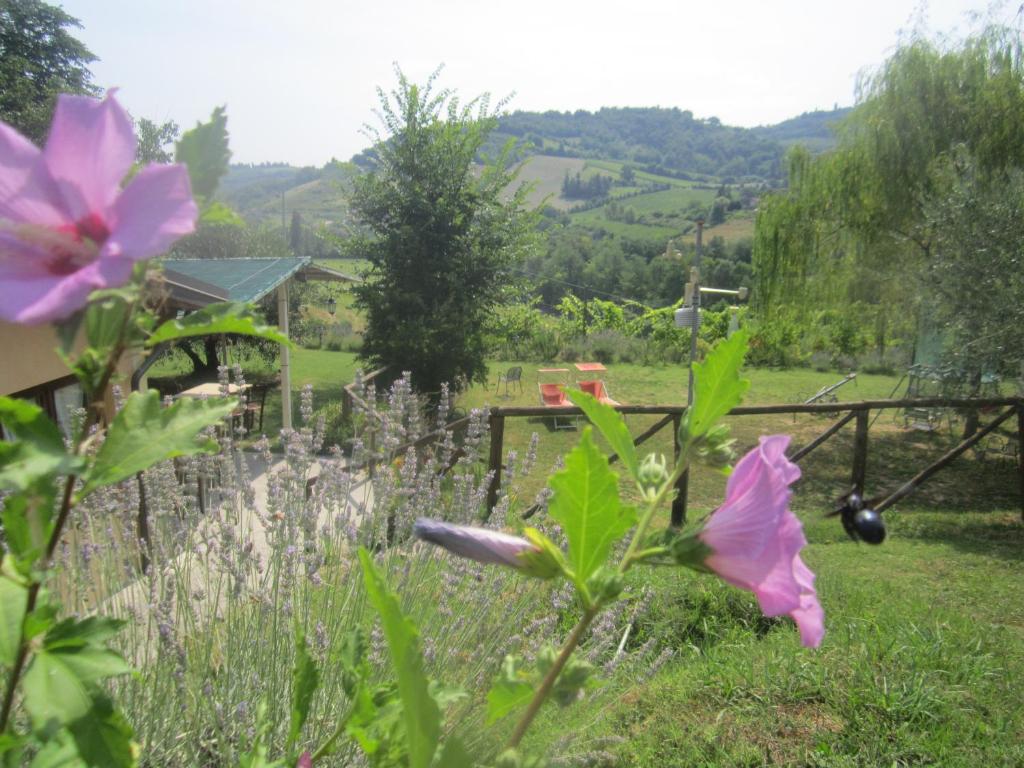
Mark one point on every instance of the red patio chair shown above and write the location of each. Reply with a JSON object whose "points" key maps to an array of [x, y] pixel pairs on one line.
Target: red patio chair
{"points": [[598, 391]]}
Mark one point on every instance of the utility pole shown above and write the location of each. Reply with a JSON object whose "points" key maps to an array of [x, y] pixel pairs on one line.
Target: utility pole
{"points": [[693, 300], [691, 310]]}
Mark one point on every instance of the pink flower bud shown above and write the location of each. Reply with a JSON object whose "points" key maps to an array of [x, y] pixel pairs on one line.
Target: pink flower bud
{"points": [[480, 544]]}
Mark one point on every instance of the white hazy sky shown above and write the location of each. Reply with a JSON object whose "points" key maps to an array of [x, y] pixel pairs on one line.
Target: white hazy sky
{"points": [[299, 77]]}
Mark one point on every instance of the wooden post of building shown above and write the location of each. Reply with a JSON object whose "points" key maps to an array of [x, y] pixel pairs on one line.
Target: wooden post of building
{"points": [[286, 355], [682, 484], [497, 425], [860, 452]]}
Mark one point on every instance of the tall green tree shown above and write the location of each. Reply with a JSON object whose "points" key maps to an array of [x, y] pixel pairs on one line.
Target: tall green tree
{"points": [[39, 58], [444, 231], [858, 227]]}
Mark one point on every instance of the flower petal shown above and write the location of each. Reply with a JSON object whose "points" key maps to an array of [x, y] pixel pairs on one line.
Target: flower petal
{"points": [[749, 517], [755, 540], [778, 590], [27, 193], [90, 149], [154, 210], [480, 544], [809, 617], [773, 447], [31, 299], [769, 575]]}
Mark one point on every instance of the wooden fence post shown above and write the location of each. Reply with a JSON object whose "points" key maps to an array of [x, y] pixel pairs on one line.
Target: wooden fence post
{"points": [[143, 526], [1020, 453], [860, 452], [682, 484], [346, 405], [497, 428]]}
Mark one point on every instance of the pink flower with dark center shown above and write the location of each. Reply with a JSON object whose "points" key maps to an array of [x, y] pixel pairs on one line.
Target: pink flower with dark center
{"points": [[480, 544], [755, 539], [66, 225]]}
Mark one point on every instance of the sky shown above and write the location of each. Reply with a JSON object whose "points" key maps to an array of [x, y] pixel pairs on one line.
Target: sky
{"points": [[299, 78]]}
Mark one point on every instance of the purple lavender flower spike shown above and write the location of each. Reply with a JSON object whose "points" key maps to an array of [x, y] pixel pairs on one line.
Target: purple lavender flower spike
{"points": [[480, 544]]}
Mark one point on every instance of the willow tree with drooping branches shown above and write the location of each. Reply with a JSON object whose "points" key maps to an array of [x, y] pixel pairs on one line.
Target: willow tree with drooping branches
{"points": [[860, 229]]}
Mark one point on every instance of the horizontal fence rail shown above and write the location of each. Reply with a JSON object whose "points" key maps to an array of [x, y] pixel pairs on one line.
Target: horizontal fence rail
{"points": [[857, 411]]}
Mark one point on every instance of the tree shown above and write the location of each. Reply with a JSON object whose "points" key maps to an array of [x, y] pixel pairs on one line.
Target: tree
{"points": [[976, 273], [865, 226], [152, 138], [39, 59], [444, 234]]}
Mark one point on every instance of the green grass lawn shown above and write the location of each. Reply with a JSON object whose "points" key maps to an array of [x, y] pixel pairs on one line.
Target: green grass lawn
{"points": [[924, 648], [328, 372]]}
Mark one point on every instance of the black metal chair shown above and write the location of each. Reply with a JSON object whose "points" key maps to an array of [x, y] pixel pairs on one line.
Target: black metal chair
{"points": [[257, 399], [513, 375]]}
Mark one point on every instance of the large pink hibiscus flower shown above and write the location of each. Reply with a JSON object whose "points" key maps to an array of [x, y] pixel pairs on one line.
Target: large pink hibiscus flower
{"points": [[755, 539], [66, 225]]}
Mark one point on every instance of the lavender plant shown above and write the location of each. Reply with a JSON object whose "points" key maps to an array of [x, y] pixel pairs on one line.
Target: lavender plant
{"points": [[752, 541]]}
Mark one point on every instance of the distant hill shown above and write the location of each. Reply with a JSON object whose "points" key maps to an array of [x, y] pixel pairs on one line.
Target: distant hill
{"points": [[633, 172], [668, 142], [320, 195], [815, 130]]}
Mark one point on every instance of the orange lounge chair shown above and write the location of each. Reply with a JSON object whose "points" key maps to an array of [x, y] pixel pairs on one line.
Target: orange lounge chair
{"points": [[598, 391], [553, 396]]}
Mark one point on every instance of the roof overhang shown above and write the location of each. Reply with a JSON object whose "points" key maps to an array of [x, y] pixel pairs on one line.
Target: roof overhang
{"points": [[195, 283]]}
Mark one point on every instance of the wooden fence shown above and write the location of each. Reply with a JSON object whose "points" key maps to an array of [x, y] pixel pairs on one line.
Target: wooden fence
{"points": [[855, 411], [858, 411]]}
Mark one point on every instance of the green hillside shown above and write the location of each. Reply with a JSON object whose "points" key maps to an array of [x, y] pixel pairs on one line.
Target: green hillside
{"points": [[263, 194], [636, 173], [815, 130], [668, 142]]}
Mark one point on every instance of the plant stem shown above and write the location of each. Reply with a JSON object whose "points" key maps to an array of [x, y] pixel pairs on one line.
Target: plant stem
{"points": [[325, 747], [550, 678]]}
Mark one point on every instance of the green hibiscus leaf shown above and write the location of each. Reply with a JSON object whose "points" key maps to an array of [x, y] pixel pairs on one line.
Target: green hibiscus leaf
{"points": [[586, 504], [718, 387], [612, 426], [13, 597], [36, 450], [144, 433], [420, 712], [506, 697], [226, 317]]}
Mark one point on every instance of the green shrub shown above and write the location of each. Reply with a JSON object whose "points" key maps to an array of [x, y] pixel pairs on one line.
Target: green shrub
{"points": [[776, 343], [337, 430]]}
